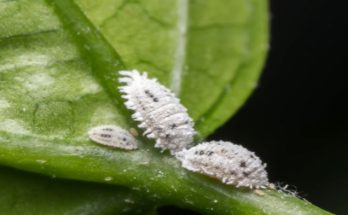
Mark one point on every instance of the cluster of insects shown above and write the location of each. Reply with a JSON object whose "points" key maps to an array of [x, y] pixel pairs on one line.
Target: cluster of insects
{"points": [[164, 119]]}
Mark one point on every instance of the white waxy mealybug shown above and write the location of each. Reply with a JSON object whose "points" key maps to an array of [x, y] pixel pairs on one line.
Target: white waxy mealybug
{"points": [[231, 163], [113, 136], [158, 110]]}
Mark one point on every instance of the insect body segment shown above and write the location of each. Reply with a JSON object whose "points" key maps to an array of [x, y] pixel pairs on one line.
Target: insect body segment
{"points": [[231, 163], [114, 136], [158, 110]]}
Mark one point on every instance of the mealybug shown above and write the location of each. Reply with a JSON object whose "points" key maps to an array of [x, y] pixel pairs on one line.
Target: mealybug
{"points": [[114, 136], [158, 110], [231, 163]]}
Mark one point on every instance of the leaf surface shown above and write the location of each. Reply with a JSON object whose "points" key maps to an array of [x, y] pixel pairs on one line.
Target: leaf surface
{"points": [[58, 72], [195, 47]]}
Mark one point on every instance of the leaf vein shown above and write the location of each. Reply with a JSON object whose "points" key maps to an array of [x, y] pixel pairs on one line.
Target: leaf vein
{"points": [[180, 54]]}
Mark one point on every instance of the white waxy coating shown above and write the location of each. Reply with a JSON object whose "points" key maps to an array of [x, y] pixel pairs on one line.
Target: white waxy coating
{"points": [[158, 110], [114, 136], [231, 163]]}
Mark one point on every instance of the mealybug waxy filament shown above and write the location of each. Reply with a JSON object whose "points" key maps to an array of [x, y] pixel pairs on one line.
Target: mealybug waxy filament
{"points": [[231, 163], [113, 136], [158, 110]]}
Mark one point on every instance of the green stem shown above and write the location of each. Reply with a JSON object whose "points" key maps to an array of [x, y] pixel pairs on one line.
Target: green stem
{"points": [[158, 176], [97, 52]]}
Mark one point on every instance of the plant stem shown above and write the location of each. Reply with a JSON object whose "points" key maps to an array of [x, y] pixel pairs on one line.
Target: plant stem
{"points": [[158, 176]]}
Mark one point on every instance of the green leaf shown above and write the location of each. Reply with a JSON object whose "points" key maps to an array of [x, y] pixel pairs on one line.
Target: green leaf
{"points": [[58, 79], [24, 193], [204, 65]]}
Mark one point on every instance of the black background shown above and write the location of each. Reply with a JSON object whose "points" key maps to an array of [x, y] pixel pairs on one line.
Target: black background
{"points": [[297, 119]]}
